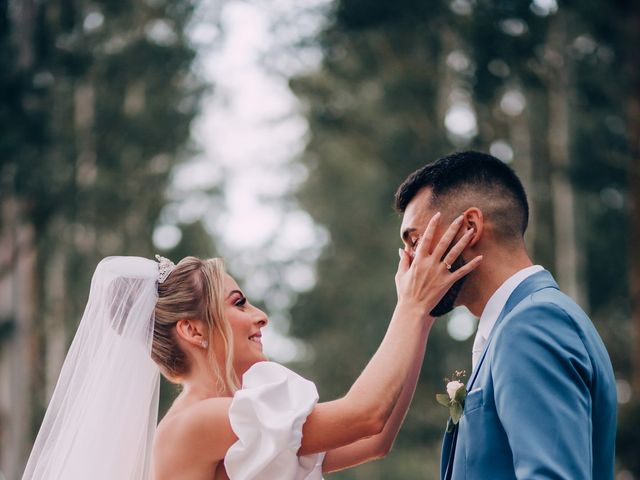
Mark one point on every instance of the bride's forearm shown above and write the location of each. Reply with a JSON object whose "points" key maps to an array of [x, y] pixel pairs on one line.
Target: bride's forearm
{"points": [[382, 381], [379, 445], [384, 441], [366, 408]]}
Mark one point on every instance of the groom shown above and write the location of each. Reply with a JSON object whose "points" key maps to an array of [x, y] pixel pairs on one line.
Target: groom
{"points": [[541, 400]]}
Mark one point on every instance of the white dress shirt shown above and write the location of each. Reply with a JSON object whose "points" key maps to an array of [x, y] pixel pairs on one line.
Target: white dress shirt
{"points": [[493, 308]]}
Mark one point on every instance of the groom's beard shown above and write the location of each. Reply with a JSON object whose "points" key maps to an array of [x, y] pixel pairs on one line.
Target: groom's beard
{"points": [[447, 303]]}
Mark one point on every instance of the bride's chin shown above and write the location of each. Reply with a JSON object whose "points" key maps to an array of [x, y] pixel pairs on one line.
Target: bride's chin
{"points": [[248, 364], [260, 357]]}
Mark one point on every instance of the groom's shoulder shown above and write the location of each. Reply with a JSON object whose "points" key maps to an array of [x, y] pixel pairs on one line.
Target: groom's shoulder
{"points": [[550, 304], [550, 301], [545, 314], [550, 325], [552, 316]]}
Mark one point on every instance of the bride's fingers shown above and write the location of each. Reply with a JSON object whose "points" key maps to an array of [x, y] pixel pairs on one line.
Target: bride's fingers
{"points": [[447, 238], [457, 249], [465, 270], [405, 262], [424, 244]]}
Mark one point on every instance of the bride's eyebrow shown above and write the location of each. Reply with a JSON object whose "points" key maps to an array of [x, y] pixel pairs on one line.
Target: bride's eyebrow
{"points": [[235, 291]]}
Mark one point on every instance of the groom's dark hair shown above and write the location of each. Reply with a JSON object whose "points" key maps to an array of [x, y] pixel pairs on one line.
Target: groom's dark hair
{"points": [[464, 179]]}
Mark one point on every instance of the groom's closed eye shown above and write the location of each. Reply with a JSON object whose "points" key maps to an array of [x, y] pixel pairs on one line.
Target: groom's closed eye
{"points": [[412, 247], [406, 235], [410, 240]]}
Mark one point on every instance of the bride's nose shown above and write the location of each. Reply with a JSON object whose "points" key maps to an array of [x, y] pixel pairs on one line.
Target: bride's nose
{"points": [[261, 318]]}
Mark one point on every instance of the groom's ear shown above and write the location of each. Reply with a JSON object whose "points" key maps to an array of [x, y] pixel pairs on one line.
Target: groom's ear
{"points": [[473, 220]]}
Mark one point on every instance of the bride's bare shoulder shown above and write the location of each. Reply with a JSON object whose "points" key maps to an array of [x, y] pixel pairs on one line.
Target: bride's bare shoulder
{"points": [[199, 431]]}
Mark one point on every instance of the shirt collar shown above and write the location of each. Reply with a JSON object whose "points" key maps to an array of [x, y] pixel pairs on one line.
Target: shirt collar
{"points": [[499, 299]]}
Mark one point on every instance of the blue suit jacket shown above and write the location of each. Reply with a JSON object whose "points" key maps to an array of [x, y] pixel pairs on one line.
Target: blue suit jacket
{"points": [[541, 403]]}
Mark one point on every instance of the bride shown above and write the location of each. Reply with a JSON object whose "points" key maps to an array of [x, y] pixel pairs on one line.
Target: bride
{"points": [[238, 416]]}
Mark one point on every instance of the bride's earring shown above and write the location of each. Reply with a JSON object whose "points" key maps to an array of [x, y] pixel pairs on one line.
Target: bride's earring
{"points": [[204, 343]]}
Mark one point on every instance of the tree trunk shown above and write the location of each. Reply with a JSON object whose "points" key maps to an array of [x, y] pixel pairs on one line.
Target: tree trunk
{"points": [[23, 18], [541, 233], [634, 193], [19, 357], [56, 311], [7, 250], [567, 250]]}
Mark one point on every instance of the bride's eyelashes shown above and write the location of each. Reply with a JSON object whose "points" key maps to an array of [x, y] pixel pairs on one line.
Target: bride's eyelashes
{"points": [[237, 298]]}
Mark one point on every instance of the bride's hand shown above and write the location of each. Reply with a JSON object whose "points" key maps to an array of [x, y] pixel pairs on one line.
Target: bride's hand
{"points": [[425, 279]]}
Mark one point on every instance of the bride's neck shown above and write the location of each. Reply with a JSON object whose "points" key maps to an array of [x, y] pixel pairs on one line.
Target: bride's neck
{"points": [[200, 390], [202, 382]]}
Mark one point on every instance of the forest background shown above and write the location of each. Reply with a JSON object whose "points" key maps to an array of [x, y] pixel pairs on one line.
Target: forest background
{"points": [[99, 101]]}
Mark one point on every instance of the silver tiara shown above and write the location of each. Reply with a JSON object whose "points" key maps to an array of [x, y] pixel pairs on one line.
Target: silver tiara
{"points": [[165, 267]]}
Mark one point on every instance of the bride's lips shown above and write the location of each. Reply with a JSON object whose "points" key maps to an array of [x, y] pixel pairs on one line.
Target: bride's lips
{"points": [[257, 338]]}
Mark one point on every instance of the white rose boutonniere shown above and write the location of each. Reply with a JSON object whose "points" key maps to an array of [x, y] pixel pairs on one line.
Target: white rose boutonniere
{"points": [[454, 398], [453, 387]]}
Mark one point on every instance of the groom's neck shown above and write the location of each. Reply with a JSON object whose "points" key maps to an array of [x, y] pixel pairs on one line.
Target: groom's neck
{"points": [[497, 266]]}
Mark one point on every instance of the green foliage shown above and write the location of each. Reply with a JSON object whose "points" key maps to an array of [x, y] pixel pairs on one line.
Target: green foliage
{"points": [[374, 116], [376, 110], [96, 103]]}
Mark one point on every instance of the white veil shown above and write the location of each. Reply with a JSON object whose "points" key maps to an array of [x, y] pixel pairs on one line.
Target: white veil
{"points": [[103, 413]]}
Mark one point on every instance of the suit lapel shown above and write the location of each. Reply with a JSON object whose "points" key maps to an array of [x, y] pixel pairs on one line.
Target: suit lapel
{"points": [[529, 285], [448, 449]]}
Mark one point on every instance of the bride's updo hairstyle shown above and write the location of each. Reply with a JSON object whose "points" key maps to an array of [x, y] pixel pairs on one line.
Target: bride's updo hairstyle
{"points": [[193, 290]]}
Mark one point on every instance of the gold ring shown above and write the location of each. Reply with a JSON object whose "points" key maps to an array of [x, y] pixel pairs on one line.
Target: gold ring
{"points": [[447, 265]]}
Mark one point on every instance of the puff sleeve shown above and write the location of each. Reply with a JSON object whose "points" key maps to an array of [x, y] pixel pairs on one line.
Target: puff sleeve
{"points": [[267, 416]]}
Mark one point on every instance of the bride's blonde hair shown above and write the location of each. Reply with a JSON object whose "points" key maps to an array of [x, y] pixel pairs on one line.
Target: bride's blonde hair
{"points": [[193, 290]]}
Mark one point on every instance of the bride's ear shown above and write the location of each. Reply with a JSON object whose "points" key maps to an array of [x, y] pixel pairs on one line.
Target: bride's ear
{"points": [[191, 331]]}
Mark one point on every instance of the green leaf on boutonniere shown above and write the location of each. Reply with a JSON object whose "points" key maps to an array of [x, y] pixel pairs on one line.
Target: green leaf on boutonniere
{"points": [[461, 395], [443, 399], [456, 411]]}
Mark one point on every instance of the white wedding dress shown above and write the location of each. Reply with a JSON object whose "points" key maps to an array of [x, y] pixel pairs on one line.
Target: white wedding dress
{"points": [[267, 416], [101, 420]]}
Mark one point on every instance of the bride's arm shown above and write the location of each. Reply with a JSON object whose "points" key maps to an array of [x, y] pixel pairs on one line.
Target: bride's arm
{"points": [[205, 433], [366, 409], [379, 445]]}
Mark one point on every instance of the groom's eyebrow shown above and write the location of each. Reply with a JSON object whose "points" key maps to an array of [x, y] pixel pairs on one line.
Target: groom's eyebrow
{"points": [[407, 233]]}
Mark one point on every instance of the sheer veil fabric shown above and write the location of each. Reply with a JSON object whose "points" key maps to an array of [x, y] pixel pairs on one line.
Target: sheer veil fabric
{"points": [[103, 412]]}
